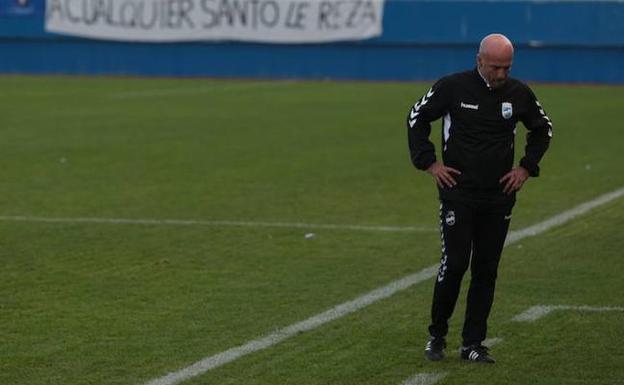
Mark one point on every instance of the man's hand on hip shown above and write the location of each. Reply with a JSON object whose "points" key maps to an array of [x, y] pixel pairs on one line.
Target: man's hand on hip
{"points": [[514, 179], [443, 174]]}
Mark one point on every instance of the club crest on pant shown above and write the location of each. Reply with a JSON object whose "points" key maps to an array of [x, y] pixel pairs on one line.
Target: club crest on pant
{"points": [[507, 110], [450, 218]]}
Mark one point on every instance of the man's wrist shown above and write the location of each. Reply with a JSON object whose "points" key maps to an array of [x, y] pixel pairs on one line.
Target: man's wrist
{"points": [[530, 167], [427, 164]]}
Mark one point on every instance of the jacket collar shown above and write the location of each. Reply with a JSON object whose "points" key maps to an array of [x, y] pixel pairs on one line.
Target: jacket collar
{"points": [[476, 70]]}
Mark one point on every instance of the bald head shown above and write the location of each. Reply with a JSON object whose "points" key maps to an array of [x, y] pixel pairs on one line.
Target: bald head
{"points": [[496, 45], [494, 59]]}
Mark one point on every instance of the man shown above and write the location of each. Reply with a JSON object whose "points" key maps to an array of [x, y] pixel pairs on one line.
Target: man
{"points": [[476, 180]]}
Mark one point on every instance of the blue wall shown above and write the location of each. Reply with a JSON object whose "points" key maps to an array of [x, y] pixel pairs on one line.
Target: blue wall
{"points": [[422, 40]]}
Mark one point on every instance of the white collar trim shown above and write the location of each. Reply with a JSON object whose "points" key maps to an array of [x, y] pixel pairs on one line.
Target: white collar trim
{"points": [[482, 77]]}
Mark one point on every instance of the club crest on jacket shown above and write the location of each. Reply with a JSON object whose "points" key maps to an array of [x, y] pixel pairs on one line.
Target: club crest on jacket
{"points": [[507, 110], [450, 218]]}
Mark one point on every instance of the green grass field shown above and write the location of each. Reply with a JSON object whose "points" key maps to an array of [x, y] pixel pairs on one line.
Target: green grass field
{"points": [[123, 303]]}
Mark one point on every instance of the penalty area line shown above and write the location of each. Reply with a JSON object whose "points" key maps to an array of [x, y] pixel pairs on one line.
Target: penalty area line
{"points": [[539, 311], [219, 359], [218, 223]]}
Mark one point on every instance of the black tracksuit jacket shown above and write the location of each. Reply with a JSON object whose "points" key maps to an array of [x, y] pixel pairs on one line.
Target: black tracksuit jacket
{"points": [[479, 128]]}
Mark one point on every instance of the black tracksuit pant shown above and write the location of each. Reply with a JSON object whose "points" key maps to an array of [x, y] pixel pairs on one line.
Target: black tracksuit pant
{"points": [[472, 233]]}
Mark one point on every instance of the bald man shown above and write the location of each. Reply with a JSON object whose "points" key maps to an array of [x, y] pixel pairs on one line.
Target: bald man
{"points": [[477, 181]]}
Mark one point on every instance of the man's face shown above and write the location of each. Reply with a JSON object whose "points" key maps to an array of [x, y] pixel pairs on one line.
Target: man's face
{"points": [[494, 69]]}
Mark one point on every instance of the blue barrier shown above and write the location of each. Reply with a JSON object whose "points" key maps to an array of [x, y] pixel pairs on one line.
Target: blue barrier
{"points": [[535, 23], [555, 41]]}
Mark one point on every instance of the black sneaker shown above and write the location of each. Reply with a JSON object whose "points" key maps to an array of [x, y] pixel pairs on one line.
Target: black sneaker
{"points": [[434, 351], [476, 353]]}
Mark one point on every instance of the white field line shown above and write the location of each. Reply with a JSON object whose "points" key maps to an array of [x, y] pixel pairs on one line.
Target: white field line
{"points": [[536, 312], [564, 217], [44, 94], [492, 341], [358, 303], [183, 222], [339, 311], [432, 378], [424, 378]]}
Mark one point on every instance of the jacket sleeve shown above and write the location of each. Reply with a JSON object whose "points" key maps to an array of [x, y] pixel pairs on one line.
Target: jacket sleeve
{"points": [[430, 107], [538, 137]]}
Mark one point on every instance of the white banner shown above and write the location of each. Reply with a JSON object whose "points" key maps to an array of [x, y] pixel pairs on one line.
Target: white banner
{"points": [[270, 21]]}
